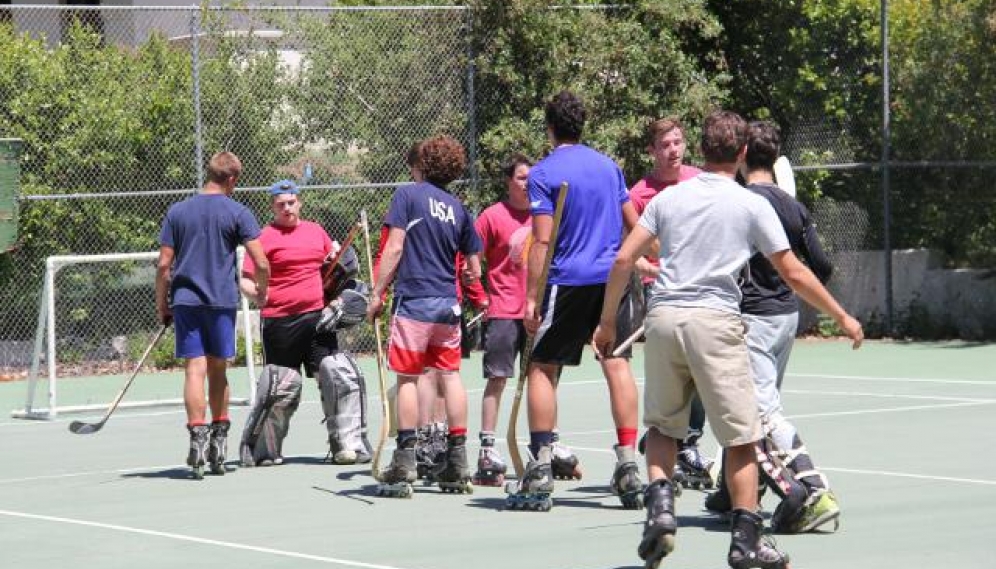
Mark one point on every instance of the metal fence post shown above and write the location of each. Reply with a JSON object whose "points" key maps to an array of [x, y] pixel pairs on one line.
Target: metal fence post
{"points": [[195, 53], [471, 103], [886, 202]]}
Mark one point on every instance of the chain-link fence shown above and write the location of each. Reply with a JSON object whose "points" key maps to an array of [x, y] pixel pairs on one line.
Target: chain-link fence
{"points": [[120, 108], [332, 98]]}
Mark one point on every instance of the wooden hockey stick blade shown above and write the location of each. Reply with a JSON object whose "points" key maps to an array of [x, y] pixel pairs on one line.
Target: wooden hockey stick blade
{"points": [[81, 428], [628, 342], [385, 418], [513, 444]]}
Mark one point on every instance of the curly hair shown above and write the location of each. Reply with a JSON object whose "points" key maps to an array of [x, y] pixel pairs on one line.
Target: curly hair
{"points": [[764, 142], [724, 134], [565, 115], [442, 160]]}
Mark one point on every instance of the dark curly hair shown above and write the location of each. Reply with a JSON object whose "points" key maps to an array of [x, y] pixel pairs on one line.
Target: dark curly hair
{"points": [[442, 160], [565, 116], [724, 134], [764, 143]]}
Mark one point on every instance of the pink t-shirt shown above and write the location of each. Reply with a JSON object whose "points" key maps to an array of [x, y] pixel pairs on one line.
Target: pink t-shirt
{"points": [[505, 232], [643, 191], [296, 255]]}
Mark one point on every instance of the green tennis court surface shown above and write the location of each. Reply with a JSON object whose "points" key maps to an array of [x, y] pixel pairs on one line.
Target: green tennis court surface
{"points": [[903, 431]]}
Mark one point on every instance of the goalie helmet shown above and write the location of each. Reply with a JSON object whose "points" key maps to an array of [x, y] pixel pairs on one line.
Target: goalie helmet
{"points": [[348, 310], [336, 279]]}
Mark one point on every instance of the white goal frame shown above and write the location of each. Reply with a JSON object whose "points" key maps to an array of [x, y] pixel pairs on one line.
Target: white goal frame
{"points": [[45, 336]]}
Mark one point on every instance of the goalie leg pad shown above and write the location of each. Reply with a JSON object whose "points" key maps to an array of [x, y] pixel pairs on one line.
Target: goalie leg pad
{"points": [[278, 394], [344, 402]]}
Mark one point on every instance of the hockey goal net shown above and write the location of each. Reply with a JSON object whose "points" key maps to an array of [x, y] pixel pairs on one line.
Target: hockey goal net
{"points": [[96, 317]]}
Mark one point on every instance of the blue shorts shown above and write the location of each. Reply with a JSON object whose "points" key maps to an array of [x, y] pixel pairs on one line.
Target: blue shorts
{"points": [[204, 331]]}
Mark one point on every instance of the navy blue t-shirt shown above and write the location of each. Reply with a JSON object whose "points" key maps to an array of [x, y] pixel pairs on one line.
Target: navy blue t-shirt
{"points": [[591, 227], [437, 226], [204, 230]]}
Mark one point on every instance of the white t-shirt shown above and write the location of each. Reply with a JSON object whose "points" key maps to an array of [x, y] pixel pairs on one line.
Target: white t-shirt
{"points": [[708, 228]]}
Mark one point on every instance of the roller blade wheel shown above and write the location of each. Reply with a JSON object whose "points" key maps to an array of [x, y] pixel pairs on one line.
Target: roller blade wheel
{"points": [[632, 500], [198, 472], [218, 468], [399, 490], [574, 473], [655, 547], [540, 502], [461, 487], [489, 479]]}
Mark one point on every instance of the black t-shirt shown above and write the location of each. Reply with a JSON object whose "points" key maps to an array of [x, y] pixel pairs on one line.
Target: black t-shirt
{"points": [[764, 291]]}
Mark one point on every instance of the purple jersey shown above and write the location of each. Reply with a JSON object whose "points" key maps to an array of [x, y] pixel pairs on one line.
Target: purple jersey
{"points": [[437, 227], [591, 227], [204, 231]]}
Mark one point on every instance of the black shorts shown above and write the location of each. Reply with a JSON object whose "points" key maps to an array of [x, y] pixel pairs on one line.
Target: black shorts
{"points": [[569, 317], [291, 341], [503, 340]]}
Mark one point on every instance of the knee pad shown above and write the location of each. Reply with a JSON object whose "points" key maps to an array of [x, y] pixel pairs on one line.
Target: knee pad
{"points": [[278, 394], [344, 402]]}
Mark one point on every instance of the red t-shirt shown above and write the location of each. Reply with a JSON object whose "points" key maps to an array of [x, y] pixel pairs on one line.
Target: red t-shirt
{"points": [[296, 255], [643, 191], [505, 232]]}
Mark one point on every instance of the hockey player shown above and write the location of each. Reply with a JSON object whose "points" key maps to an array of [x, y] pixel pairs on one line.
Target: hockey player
{"points": [[563, 316], [771, 312], [295, 336], [195, 289], [695, 335], [428, 227], [666, 146]]}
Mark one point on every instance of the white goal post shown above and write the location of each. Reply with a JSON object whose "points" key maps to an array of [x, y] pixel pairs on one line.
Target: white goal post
{"points": [[45, 339]]}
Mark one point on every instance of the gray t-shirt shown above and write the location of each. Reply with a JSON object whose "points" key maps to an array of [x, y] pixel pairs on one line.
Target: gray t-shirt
{"points": [[708, 228]]}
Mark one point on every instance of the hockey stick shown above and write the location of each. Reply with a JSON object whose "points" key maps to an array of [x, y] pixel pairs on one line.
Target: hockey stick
{"points": [[333, 259], [527, 350], [384, 418], [628, 342], [475, 320], [81, 428]]}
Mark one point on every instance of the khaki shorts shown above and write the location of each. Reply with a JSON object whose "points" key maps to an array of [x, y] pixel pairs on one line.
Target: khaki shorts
{"points": [[702, 349]]}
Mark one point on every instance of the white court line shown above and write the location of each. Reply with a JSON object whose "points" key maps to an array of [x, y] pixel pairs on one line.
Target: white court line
{"points": [[888, 395], [991, 383], [889, 410], [908, 475], [200, 540]]}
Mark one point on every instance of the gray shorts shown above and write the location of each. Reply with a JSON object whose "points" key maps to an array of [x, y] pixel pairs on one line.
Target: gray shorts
{"points": [[504, 339]]}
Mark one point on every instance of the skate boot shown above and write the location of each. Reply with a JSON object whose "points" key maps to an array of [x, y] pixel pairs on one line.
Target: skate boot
{"points": [[661, 524], [626, 481], [748, 550], [454, 477], [219, 446], [563, 463], [720, 502], [396, 480], [197, 457], [533, 491], [788, 515], [694, 466], [490, 468], [821, 510]]}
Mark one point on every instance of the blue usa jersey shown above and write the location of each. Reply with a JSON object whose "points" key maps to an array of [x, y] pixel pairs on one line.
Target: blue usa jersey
{"points": [[437, 227]]}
